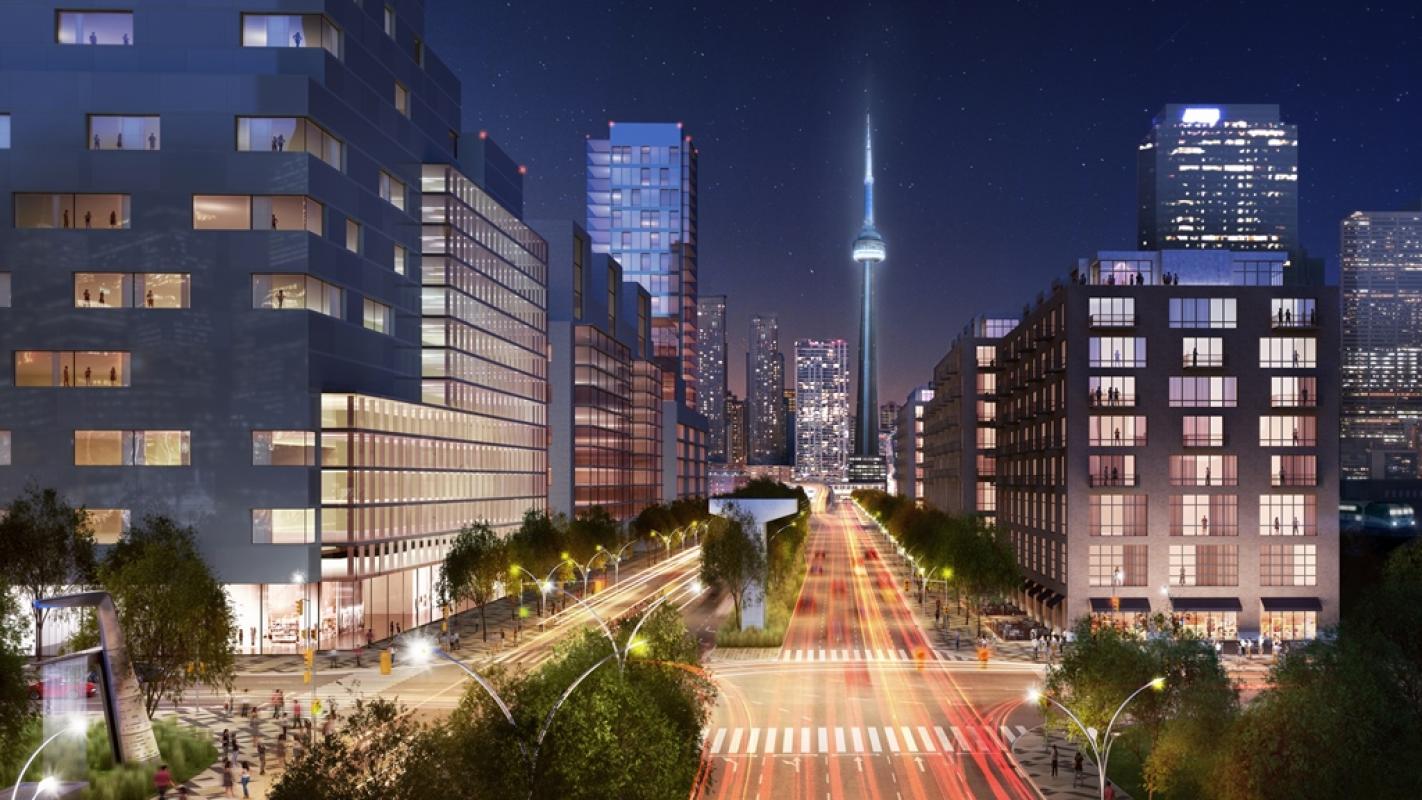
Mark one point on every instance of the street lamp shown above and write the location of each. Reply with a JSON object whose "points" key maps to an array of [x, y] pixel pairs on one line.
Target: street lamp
{"points": [[1101, 749], [77, 726], [543, 585], [617, 560], [585, 569]]}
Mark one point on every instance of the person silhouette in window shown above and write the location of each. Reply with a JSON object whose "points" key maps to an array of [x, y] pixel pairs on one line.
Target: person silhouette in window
{"points": [[1288, 316], [88, 376], [281, 142], [118, 140], [1205, 525], [1296, 526], [1296, 357], [1281, 315], [102, 301], [152, 141], [88, 219], [1207, 474], [274, 222], [1283, 477], [93, 38], [1115, 475], [113, 219], [64, 380], [97, 146], [1276, 526], [296, 39], [149, 298], [274, 145], [281, 298], [126, 40], [1194, 356], [1296, 435], [66, 217], [86, 298], [113, 376], [1116, 434]]}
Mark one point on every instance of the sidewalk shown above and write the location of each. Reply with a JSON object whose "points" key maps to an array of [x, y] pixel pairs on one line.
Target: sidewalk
{"points": [[1034, 754]]}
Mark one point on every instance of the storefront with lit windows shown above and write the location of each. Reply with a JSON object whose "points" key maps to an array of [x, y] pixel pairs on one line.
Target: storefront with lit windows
{"points": [[1210, 618], [1286, 619], [1121, 613]]}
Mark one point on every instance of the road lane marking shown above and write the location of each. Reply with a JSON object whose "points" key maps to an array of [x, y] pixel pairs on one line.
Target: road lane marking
{"points": [[962, 742], [716, 743], [943, 738], [858, 739], [927, 741], [754, 740], [891, 739], [839, 740], [908, 739], [735, 742], [823, 740]]}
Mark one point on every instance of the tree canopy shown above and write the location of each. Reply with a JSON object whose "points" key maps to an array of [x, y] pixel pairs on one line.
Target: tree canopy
{"points": [[477, 562], [733, 557], [49, 546]]}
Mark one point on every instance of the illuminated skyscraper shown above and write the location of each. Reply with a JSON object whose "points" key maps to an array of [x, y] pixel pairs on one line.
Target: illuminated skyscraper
{"points": [[765, 386], [821, 408], [735, 431], [1382, 343], [908, 447], [867, 465], [711, 366], [1219, 176]]}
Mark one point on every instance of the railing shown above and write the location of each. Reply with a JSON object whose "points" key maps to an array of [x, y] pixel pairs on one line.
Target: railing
{"points": [[1204, 440], [1284, 479], [1113, 480], [1111, 320], [1203, 360], [1119, 401]]}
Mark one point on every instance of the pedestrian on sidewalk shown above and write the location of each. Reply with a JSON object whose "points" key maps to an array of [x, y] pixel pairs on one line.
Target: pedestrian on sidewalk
{"points": [[281, 748], [957, 640], [1076, 769], [229, 786], [261, 757], [1054, 761], [246, 778], [1110, 791], [162, 781]]}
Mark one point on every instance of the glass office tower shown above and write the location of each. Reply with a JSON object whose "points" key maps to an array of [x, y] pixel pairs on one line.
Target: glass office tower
{"points": [[821, 408], [711, 358]]}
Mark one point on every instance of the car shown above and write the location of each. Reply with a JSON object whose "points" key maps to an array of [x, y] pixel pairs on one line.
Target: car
{"points": [[61, 687]]}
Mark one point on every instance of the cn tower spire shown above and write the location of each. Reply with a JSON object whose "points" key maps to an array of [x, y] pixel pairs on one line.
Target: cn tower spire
{"points": [[867, 464], [868, 172]]}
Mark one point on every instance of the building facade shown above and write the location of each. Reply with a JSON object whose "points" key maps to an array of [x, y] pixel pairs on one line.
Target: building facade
{"points": [[888, 428], [960, 422], [822, 433], [1382, 344], [765, 392], [307, 320], [711, 369], [642, 211], [1169, 445], [1219, 176], [604, 416], [908, 440], [736, 443]]}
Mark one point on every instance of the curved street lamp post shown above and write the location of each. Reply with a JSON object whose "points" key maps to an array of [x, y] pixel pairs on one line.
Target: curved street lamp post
{"points": [[76, 727], [1101, 748]]}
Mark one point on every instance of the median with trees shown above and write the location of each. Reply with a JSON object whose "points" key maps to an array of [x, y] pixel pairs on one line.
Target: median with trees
{"points": [[741, 560]]}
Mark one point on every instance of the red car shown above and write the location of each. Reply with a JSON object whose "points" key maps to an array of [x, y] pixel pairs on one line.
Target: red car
{"points": [[62, 688]]}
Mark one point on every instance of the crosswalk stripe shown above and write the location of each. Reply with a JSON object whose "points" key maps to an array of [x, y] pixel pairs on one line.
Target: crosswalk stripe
{"points": [[878, 654], [903, 655], [822, 654], [754, 740], [787, 744], [797, 654], [735, 744], [716, 743], [874, 741], [908, 740], [962, 743], [770, 741], [856, 655], [839, 740], [858, 739], [927, 741], [1021, 730], [943, 738], [891, 739], [787, 655], [1007, 734], [975, 735], [841, 655], [823, 740], [804, 740]]}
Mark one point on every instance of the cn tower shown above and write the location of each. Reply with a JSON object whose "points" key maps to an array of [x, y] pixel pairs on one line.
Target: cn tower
{"points": [[866, 465]]}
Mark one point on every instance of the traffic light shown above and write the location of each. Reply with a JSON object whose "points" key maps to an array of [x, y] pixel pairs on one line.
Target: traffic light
{"points": [[310, 657], [306, 676], [300, 607], [386, 662]]}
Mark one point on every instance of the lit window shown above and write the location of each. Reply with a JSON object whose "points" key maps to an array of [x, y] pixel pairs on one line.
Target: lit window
{"points": [[1203, 432], [1288, 515], [103, 290], [1292, 391], [79, 211], [291, 30], [132, 448], [1297, 431], [1288, 565], [377, 316], [1116, 564], [1112, 390], [1293, 312], [1204, 515], [1111, 312], [1204, 565], [4, 131], [4, 448], [390, 21], [283, 448], [1288, 351], [353, 236], [107, 524], [392, 190], [1293, 470], [398, 260], [1117, 515], [1117, 431], [402, 99], [1202, 351], [240, 212], [1203, 312], [1194, 470], [71, 369], [289, 134], [297, 293], [5, 290], [283, 525], [1214, 391], [1117, 351], [94, 27], [111, 132]]}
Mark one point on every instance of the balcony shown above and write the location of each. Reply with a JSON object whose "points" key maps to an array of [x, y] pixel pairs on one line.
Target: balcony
{"points": [[1284, 320], [1202, 360], [1099, 400], [1111, 320], [1204, 440], [1113, 480], [1282, 478]]}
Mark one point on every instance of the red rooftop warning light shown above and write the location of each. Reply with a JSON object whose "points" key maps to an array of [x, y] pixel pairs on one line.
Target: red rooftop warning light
{"points": [[483, 134]]}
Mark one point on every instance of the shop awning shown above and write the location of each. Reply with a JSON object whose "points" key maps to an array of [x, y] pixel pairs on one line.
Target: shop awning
{"points": [[1051, 598], [1133, 605], [1205, 604], [1291, 603]]}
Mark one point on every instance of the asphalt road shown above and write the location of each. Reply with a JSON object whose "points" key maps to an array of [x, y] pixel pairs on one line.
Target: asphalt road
{"points": [[875, 714]]}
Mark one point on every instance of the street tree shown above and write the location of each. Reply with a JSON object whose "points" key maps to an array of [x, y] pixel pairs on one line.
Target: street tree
{"points": [[590, 529], [733, 558], [16, 710], [175, 615], [476, 563], [49, 547], [381, 753]]}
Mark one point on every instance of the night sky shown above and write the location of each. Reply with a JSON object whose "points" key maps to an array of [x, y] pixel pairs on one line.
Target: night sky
{"points": [[1005, 133]]}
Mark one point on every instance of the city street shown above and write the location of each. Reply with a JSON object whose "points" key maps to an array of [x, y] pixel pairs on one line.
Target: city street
{"points": [[857, 703]]}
